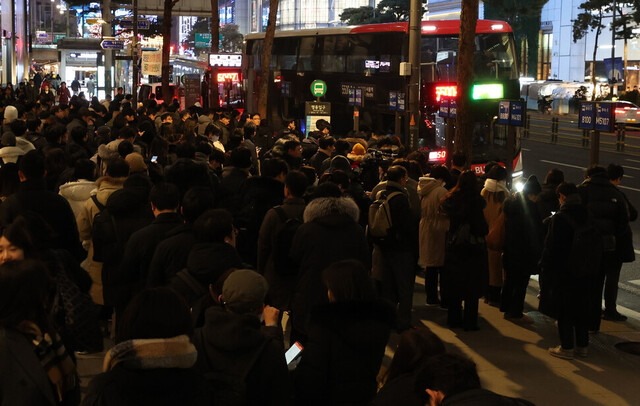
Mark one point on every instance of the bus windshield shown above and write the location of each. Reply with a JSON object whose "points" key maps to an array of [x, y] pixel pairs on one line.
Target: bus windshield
{"points": [[493, 57]]}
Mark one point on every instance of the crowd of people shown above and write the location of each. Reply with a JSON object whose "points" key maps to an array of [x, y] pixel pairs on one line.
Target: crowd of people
{"points": [[189, 235]]}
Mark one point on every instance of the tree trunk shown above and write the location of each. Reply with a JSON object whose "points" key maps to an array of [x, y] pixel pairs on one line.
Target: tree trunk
{"points": [[593, 63], [466, 45], [214, 95], [266, 59], [167, 95]]}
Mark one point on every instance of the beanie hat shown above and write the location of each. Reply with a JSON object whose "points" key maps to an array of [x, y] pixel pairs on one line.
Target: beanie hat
{"points": [[136, 162], [358, 149], [10, 114], [532, 186], [244, 291]]}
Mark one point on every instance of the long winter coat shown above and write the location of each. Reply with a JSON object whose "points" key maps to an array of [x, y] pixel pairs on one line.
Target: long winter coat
{"points": [[342, 356], [492, 213], [280, 285], [330, 233], [77, 193], [562, 293], [433, 223], [466, 267], [105, 187], [524, 235]]}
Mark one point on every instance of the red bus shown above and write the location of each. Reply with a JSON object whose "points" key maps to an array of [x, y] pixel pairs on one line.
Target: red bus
{"points": [[369, 57]]}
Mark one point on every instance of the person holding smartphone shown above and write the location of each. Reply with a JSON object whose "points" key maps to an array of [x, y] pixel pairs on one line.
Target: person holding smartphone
{"points": [[346, 340]]}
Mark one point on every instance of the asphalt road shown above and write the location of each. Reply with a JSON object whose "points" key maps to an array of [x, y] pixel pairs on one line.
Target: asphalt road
{"points": [[539, 156]]}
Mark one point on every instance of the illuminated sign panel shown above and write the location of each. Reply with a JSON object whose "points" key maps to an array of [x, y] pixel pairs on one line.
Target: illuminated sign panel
{"points": [[448, 91], [226, 60], [487, 91], [233, 76], [438, 155]]}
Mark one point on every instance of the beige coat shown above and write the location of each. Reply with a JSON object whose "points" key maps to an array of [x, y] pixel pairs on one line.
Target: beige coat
{"points": [[433, 224], [106, 185], [491, 213]]}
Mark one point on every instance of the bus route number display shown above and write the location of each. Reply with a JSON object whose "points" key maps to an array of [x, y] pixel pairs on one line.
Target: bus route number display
{"points": [[515, 113], [586, 115], [503, 112], [444, 108], [604, 117]]}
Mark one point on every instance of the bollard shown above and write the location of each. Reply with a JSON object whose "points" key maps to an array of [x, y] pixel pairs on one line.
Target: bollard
{"points": [[621, 132], [527, 124], [554, 130]]}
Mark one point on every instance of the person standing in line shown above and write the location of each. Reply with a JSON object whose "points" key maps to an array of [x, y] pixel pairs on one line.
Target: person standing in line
{"points": [[433, 233], [609, 209], [466, 266], [495, 193], [398, 250], [522, 249], [569, 293]]}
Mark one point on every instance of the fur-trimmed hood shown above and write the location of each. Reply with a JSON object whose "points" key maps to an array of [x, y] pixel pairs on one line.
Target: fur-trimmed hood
{"points": [[331, 206]]}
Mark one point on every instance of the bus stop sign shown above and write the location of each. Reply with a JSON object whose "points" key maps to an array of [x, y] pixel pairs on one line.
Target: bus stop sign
{"points": [[318, 88]]}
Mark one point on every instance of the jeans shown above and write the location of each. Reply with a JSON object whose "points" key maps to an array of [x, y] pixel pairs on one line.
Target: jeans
{"points": [[397, 284]]}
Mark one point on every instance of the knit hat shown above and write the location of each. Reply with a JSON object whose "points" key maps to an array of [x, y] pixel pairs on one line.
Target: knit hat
{"points": [[532, 186], [136, 162], [8, 139], [10, 114], [244, 291], [358, 149]]}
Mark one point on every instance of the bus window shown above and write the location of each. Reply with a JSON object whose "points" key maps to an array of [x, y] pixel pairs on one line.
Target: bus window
{"points": [[285, 50], [307, 59], [333, 58]]}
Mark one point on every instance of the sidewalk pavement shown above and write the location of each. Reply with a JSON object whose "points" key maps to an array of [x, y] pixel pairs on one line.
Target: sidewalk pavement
{"points": [[512, 359]]}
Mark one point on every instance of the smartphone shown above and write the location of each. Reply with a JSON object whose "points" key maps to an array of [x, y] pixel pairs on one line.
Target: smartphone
{"points": [[293, 352], [154, 159]]}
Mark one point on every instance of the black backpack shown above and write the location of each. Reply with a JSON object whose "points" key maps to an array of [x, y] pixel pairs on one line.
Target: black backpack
{"points": [[586, 249], [229, 388], [283, 241], [104, 233]]}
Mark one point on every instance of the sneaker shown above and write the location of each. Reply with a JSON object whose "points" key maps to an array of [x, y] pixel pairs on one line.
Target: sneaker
{"points": [[581, 352], [560, 352], [613, 316]]}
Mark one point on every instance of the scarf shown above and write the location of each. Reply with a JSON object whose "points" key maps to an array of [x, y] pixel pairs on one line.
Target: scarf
{"points": [[53, 357], [494, 186], [175, 352]]}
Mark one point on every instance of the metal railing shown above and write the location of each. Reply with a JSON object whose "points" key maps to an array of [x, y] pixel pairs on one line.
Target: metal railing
{"points": [[565, 131]]}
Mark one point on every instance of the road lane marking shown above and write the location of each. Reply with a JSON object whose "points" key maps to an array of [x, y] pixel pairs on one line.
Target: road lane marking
{"points": [[527, 149], [629, 188], [563, 164], [635, 282], [631, 167], [632, 160]]}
